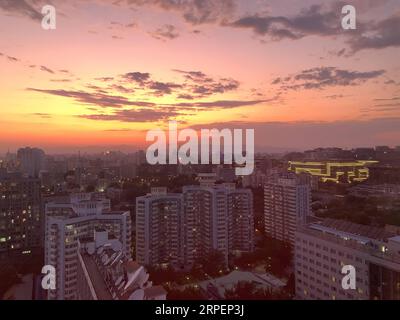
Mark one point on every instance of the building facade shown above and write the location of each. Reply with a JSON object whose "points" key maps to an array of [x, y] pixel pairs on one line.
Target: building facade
{"points": [[21, 216], [324, 248], [287, 203], [67, 220], [159, 229], [31, 161], [180, 229], [240, 220], [343, 171]]}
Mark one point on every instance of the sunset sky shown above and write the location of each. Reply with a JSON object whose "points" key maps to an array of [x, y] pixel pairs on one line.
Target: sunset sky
{"points": [[114, 69]]}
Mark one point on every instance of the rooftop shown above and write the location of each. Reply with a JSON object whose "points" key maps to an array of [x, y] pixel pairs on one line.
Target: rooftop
{"points": [[111, 275], [357, 229], [96, 278]]}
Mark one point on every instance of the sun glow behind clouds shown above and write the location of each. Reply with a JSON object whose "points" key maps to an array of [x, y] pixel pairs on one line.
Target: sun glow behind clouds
{"points": [[56, 87]]}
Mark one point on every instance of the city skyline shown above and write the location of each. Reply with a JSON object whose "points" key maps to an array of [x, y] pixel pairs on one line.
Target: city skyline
{"points": [[210, 150], [112, 227], [106, 75]]}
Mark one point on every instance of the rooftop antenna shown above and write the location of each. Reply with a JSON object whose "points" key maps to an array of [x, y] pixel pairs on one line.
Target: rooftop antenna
{"points": [[79, 168]]}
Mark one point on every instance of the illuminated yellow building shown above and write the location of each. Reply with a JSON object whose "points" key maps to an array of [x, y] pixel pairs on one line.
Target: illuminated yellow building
{"points": [[335, 170]]}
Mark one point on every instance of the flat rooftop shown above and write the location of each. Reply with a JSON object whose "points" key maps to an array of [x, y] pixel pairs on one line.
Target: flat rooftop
{"points": [[357, 229], [96, 278]]}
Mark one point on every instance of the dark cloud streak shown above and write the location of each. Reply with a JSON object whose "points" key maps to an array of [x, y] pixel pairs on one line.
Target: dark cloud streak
{"points": [[166, 32], [20, 7], [322, 77]]}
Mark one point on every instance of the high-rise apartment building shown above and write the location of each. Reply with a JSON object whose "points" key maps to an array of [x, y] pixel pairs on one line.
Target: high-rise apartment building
{"points": [[206, 221], [20, 215], [240, 220], [31, 161], [287, 203], [159, 229], [70, 219], [324, 247], [179, 229]]}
